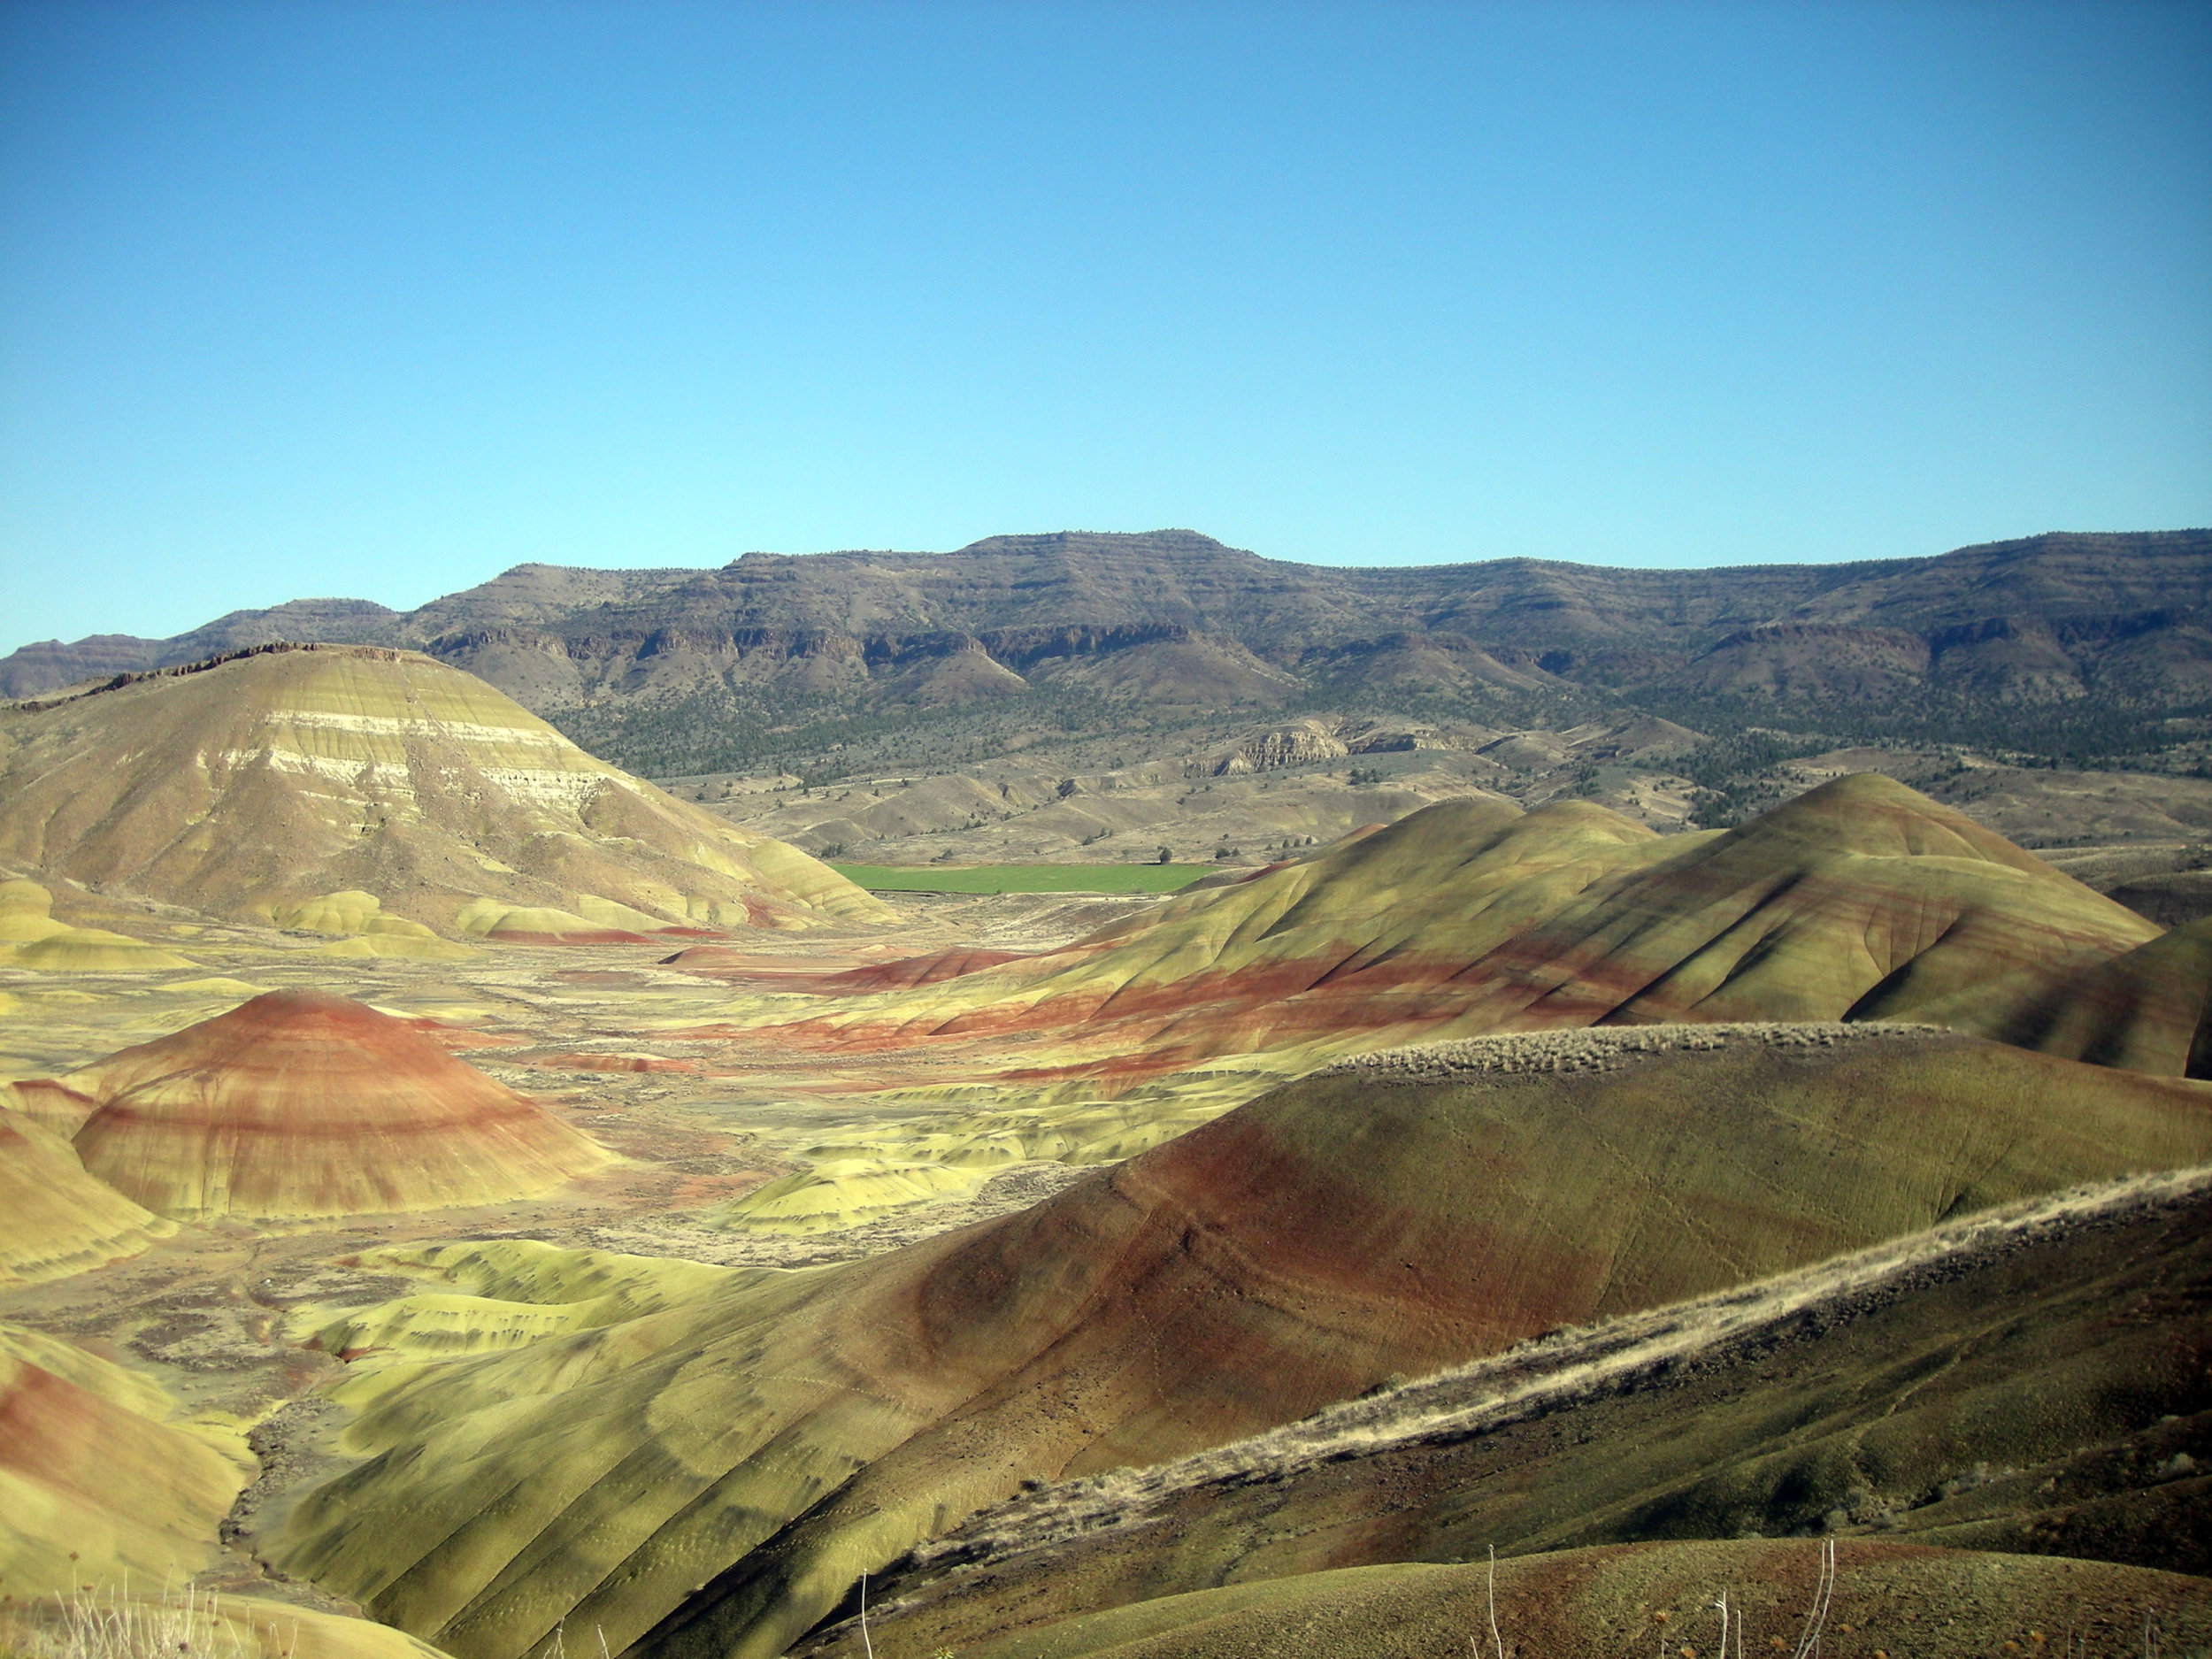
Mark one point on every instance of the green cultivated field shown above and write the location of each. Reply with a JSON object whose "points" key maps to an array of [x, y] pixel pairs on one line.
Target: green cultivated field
{"points": [[1023, 877]]}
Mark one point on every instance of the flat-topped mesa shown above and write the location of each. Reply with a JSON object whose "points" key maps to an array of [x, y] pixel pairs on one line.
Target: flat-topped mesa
{"points": [[379, 795], [299, 1104]]}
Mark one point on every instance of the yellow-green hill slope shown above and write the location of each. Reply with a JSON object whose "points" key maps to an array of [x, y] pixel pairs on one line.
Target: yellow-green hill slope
{"points": [[96, 1480], [55, 1217], [2147, 1010], [1859, 900], [710, 1480]]}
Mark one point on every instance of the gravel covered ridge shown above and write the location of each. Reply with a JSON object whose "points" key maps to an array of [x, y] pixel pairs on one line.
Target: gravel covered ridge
{"points": [[1605, 1049]]}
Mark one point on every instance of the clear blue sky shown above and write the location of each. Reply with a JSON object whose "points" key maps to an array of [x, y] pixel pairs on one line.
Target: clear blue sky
{"points": [[379, 299]]}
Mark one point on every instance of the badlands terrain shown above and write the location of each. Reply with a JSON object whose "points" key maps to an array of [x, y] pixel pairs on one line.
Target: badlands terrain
{"points": [[1677, 1111]]}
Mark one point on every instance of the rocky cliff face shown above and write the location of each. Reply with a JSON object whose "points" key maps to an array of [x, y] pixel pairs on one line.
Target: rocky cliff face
{"points": [[656, 668]]}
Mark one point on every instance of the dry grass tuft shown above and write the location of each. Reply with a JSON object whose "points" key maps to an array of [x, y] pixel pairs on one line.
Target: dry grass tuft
{"points": [[115, 1624]]}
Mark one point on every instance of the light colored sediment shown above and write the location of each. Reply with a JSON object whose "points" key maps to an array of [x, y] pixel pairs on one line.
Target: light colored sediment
{"points": [[355, 790]]}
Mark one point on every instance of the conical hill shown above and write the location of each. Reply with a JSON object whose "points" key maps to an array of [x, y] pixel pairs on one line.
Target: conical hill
{"points": [[299, 1104], [711, 1480], [1861, 899], [371, 791]]}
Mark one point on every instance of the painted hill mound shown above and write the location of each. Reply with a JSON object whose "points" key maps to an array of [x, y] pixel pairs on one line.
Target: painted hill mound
{"points": [[300, 1103], [1859, 900], [371, 791], [1972, 1386], [96, 1480], [710, 1480], [55, 1218], [31, 937], [2149, 1011]]}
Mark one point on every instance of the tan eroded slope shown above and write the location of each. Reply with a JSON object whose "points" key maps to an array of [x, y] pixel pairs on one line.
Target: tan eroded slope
{"points": [[301, 1103], [710, 1479], [331, 787]]}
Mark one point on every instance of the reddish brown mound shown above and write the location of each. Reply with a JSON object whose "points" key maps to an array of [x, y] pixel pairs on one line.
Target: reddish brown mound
{"points": [[930, 970], [302, 1104]]}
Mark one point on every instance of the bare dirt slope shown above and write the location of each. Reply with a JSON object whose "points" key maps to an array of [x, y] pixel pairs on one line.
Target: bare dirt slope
{"points": [[720, 1471], [2032, 1385]]}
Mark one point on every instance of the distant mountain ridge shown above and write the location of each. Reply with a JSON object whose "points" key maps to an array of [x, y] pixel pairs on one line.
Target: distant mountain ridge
{"points": [[649, 666]]}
